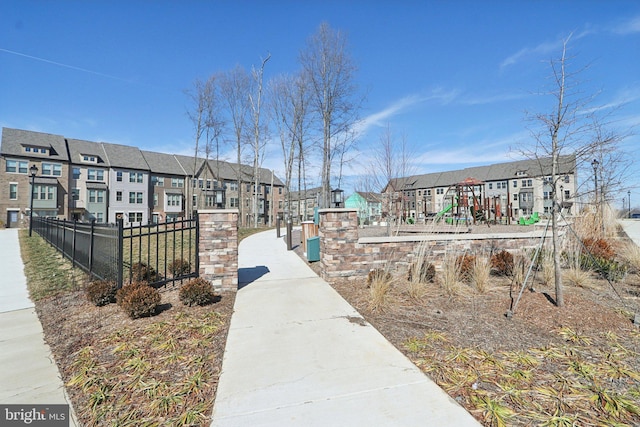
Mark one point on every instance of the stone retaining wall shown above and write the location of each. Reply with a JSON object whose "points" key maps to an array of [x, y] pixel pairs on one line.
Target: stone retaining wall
{"points": [[344, 254], [218, 248]]}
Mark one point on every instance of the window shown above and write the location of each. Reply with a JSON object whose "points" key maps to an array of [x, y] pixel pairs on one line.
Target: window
{"points": [[521, 173], [135, 216], [177, 182], [515, 197], [119, 176], [15, 166], [248, 188], [567, 194], [13, 191], [157, 181], [194, 183], [155, 199], [75, 193], [439, 190], [515, 184], [135, 177], [100, 217], [194, 201], [51, 169], [527, 183], [208, 184], [546, 195], [96, 196], [174, 200], [279, 190], [95, 175], [118, 196], [429, 192], [490, 186], [232, 186], [76, 173], [135, 197], [27, 149], [566, 179], [233, 202], [43, 192]]}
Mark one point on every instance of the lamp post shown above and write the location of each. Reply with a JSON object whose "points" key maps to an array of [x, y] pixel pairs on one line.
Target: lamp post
{"points": [[629, 204], [33, 170]]}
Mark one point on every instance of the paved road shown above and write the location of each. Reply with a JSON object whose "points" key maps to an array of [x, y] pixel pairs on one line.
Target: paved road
{"points": [[299, 355], [632, 228]]}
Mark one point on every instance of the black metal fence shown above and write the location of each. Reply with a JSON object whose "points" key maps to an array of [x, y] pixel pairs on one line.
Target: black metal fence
{"points": [[157, 253]]}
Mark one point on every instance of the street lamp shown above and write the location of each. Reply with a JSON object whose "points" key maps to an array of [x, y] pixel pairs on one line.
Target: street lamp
{"points": [[629, 204], [337, 197], [33, 170]]}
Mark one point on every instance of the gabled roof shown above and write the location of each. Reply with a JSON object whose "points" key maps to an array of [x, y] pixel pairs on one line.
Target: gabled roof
{"points": [[165, 164], [495, 172], [370, 196], [311, 193], [228, 171], [79, 148], [15, 140], [124, 156]]}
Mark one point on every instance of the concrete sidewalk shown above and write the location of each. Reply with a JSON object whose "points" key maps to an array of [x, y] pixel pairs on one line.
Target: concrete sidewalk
{"points": [[298, 354], [632, 228], [28, 374]]}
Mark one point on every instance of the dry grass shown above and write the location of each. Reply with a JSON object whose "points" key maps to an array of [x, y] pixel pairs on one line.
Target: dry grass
{"points": [[630, 253], [577, 277], [416, 285], [480, 274], [547, 270], [379, 285], [450, 275]]}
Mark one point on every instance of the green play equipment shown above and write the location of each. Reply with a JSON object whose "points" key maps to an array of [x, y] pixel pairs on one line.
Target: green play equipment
{"points": [[530, 220]]}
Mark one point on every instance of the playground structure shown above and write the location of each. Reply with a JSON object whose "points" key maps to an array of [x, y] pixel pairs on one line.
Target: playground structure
{"points": [[465, 203]]}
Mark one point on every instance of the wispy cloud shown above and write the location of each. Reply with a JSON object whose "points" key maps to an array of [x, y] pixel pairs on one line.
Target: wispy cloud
{"points": [[541, 49], [379, 118], [628, 27], [491, 99], [60, 64]]}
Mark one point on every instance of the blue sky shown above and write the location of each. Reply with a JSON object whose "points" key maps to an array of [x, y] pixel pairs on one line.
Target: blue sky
{"points": [[454, 77]]}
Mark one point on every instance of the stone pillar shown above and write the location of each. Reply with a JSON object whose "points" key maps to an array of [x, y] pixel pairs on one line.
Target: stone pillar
{"points": [[338, 233], [218, 248]]}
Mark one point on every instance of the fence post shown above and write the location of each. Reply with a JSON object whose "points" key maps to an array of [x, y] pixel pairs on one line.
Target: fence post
{"points": [[197, 245], [93, 224], [119, 251], [73, 243], [64, 237]]}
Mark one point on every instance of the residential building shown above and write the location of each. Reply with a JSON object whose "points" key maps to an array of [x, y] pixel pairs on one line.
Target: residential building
{"points": [[89, 196], [508, 190], [301, 204], [84, 180], [368, 204], [20, 151]]}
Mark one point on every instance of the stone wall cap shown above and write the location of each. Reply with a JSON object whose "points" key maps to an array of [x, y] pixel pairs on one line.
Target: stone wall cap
{"points": [[210, 211], [452, 237], [337, 210]]}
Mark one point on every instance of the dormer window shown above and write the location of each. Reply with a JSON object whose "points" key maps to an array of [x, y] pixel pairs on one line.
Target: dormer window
{"points": [[29, 149], [521, 173], [89, 158]]}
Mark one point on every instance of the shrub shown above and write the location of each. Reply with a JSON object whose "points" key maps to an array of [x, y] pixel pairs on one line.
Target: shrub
{"points": [[599, 249], [141, 272], [421, 272], [179, 267], [379, 274], [464, 265], [611, 270], [101, 292], [138, 299], [502, 263], [197, 291]]}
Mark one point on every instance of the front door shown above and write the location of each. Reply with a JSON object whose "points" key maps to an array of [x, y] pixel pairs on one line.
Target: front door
{"points": [[12, 219]]}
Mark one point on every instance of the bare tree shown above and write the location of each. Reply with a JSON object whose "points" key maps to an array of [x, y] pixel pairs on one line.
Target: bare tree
{"points": [[234, 87], [255, 101], [392, 165], [571, 128], [289, 104], [331, 74]]}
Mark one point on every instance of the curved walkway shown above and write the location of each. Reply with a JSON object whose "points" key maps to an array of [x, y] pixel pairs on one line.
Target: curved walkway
{"points": [[632, 228], [298, 354]]}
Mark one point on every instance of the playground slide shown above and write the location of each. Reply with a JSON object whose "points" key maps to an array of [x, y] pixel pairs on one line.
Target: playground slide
{"points": [[529, 221], [445, 210]]}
